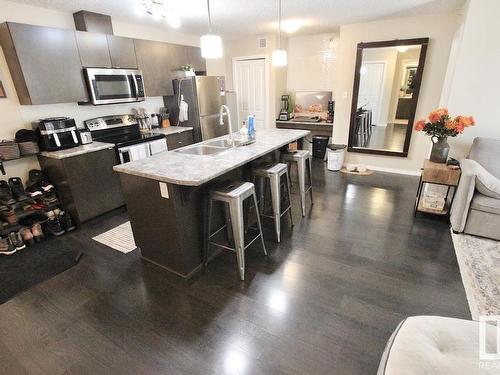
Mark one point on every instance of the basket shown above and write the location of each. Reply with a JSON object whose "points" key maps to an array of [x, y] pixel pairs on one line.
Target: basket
{"points": [[28, 148], [9, 150]]}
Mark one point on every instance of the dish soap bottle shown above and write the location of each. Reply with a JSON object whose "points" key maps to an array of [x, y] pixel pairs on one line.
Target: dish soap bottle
{"points": [[251, 126]]}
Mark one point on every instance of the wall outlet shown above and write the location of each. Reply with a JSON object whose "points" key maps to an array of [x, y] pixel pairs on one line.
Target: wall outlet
{"points": [[164, 190]]}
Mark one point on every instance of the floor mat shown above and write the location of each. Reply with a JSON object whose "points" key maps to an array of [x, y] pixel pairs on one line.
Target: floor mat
{"points": [[479, 262], [119, 238], [32, 265]]}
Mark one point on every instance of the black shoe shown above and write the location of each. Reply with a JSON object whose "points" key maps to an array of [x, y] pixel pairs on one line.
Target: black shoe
{"points": [[37, 178], [6, 193], [35, 217], [53, 226], [16, 240], [34, 191], [16, 185], [66, 221]]}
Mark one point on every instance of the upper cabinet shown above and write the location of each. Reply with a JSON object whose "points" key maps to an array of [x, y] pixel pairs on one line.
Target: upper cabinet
{"points": [[93, 48], [44, 63], [153, 60], [122, 52]]}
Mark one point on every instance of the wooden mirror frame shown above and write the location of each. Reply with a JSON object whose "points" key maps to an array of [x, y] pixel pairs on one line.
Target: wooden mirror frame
{"points": [[423, 42]]}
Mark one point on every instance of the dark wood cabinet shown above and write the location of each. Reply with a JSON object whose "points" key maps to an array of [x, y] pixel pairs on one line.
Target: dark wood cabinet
{"points": [[44, 63], [86, 184], [122, 52], [153, 60], [93, 49], [179, 140], [195, 59]]}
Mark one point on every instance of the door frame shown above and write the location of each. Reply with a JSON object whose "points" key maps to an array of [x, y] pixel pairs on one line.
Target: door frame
{"points": [[382, 86], [267, 79]]}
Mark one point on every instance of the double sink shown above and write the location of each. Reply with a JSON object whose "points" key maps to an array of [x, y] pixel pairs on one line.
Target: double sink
{"points": [[211, 148]]}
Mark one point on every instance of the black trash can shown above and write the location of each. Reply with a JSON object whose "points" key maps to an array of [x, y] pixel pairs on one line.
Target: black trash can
{"points": [[320, 142]]}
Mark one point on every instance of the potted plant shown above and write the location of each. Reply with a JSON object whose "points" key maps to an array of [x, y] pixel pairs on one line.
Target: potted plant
{"points": [[439, 126]]}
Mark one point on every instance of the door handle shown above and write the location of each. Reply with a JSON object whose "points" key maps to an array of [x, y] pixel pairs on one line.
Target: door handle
{"points": [[135, 86]]}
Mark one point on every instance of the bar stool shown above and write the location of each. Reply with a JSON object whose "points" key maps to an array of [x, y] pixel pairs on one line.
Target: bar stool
{"points": [[301, 157], [274, 173], [233, 195]]}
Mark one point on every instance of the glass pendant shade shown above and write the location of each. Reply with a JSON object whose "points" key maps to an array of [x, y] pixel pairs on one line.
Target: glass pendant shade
{"points": [[279, 57], [211, 46]]}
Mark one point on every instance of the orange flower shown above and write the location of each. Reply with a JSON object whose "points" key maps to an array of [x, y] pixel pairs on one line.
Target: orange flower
{"points": [[450, 125], [419, 125], [468, 121], [436, 115], [459, 127]]}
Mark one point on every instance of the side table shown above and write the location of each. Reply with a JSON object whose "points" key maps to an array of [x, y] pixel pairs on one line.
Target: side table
{"points": [[437, 174]]}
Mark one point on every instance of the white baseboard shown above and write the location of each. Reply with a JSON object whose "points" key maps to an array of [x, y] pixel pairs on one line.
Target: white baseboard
{"points": [[394, 170]]}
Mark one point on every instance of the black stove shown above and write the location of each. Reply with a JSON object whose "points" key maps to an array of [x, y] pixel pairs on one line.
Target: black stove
{"points": [[121, 130]]}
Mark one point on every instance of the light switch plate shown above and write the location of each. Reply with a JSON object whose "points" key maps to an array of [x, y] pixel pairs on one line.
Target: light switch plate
{"points": [[164, 190]]}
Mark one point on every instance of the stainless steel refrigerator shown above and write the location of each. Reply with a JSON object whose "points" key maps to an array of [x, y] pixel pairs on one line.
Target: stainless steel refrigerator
{"points": [[204, 96]]}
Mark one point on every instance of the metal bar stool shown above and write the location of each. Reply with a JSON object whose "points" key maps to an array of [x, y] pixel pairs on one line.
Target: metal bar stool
{"points": [[274, 173], [301, 157], [232, 195]]}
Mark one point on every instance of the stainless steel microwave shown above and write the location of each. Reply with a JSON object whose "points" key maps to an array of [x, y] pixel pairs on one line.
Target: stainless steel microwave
{"points": [[111, 86]]}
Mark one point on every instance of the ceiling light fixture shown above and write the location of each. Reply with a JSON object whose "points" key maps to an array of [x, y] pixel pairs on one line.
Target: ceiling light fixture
{"points": [[279, 56], [291, 26], [403, 49], [211, 45], [158, 10]]}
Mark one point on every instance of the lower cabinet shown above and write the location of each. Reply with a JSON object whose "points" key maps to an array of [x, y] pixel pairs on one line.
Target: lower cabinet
{"points": [[86, 184], [179, 140]]}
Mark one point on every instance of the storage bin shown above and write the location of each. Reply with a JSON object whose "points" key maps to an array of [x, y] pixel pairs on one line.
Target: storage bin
{"points": [[319, 145], [9, 150]]}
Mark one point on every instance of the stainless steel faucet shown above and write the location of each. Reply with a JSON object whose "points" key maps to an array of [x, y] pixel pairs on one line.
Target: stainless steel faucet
{"points": [[224, 109]]}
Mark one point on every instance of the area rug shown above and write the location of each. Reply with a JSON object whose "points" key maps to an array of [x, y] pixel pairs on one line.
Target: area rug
{"points": [[32, 265], [479, 262], [119, 238]]}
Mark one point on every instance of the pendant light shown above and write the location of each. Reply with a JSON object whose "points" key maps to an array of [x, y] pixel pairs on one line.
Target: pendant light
{"points": [[279, 57], [211, 45]]}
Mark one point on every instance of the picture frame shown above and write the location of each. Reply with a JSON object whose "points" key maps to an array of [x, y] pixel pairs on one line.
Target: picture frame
{"points": [[3, 94]]}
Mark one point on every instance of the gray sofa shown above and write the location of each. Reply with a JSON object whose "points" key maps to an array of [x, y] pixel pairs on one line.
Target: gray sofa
{"points": [[474, 212]]}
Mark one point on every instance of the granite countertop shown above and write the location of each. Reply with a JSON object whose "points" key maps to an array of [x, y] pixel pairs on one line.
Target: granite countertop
{"points": [[195, 170], [171, 130], [79, 150]]}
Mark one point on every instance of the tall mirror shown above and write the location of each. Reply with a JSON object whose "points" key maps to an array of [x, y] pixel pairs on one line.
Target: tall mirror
{"points": [[385, 95]]}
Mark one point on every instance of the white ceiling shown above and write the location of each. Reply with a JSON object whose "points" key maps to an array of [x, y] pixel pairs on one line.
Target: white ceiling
{"points": [[237, 18]]}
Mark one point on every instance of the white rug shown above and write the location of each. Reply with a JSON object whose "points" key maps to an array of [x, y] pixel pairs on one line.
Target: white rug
{"points": [[119, 238], [479, 261]]}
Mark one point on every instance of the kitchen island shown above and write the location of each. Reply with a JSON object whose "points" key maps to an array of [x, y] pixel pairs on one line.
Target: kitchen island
{"points": [[166, 195]]}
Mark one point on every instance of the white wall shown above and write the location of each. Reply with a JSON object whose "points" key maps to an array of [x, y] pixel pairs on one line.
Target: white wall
{"points": [[473, 80], [14, 116], [440, 29], [312, 62], [249, 47]]}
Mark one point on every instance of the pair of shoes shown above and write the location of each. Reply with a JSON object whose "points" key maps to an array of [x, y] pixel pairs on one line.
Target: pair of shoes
{"points": [[6, 247], [32, 219], [8, 214], [16, 240], [59, 222], [50, 199], [38, 183], [12, 191], [30, 235]]}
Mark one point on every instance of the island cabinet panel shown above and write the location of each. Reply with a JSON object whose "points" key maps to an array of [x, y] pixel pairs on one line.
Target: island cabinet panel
{"points": [[168, 230], [153, 60], [44, 63], [93, 49], [122, 52]]}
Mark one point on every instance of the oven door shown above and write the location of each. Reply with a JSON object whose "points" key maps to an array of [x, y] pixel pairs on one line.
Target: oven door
{"points": [[110, 86], [134, 152]]}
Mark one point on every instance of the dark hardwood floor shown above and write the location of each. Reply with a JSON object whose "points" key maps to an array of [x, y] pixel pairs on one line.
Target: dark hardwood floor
{"points": [[323, 302]]}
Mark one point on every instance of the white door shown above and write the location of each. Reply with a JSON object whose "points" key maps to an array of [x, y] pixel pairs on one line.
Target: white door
{"points": [[250, 87], [370, 88]]}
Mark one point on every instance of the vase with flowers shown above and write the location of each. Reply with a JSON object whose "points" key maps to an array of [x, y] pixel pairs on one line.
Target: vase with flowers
{"points": [[439, 126]]}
